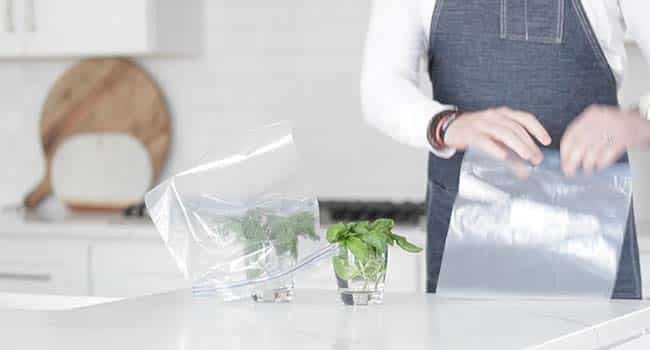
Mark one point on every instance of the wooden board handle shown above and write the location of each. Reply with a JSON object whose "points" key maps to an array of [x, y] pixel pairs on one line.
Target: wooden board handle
{"points": [[38, 194]]}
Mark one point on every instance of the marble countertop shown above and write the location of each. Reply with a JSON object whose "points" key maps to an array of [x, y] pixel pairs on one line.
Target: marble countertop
{"points": [[315, 320], [46, 302]]}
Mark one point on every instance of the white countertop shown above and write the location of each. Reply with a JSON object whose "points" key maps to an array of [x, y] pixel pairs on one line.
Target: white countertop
{"points": [[316, 320], [44, 302]]}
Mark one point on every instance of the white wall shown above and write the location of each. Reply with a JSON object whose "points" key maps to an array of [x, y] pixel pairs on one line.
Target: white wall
{"points": [[262, 61]]}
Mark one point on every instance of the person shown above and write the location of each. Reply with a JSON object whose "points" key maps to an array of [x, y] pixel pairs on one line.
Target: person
{"points": [[507, 76]]}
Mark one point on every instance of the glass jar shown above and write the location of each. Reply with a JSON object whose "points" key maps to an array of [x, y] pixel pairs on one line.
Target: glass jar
{"points": [[273, 256], [360, 281]]}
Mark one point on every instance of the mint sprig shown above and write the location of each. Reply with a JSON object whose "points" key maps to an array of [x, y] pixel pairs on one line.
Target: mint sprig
{"points": [[257, 226]]}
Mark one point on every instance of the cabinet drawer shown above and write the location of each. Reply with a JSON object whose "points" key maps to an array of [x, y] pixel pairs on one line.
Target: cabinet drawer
{"points": [[404, 271], [127, 269], [319, 276], [43, 266]]}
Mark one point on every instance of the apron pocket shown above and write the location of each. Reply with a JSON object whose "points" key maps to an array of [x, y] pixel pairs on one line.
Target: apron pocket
{"points": [[539, 21]]}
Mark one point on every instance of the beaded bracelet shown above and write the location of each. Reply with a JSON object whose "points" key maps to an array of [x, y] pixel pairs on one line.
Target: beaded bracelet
{"points": [[447, 123], [438, 135], [433, 133]]}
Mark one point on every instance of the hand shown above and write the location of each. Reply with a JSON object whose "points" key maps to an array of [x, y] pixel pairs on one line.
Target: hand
{"points": [[495, 131], [599, 136]]}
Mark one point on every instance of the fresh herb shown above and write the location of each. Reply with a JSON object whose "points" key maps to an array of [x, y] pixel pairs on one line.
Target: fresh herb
{"points": [[258, 226], [368, 243]]}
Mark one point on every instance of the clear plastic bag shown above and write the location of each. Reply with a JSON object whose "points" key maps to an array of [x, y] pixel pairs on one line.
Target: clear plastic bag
{"points": [[523, 231], [241, 225]]}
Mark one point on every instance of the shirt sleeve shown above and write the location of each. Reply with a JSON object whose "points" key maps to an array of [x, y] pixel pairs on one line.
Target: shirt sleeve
{"points": [[636, 15], [390, 95]]}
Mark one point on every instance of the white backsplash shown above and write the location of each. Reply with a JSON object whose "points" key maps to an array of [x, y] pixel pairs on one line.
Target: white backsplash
{"points": [[261, 62]]}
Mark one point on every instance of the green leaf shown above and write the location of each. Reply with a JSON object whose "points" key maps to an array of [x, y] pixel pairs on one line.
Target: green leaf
{"points": [[336, 232], [304, 224], [285, 238], [252, 227], [409, 247], [361, 227], [376, 239], [344, 270], [406, 245], [351, 234], [358, 248], [383, 224], [231, 226]]}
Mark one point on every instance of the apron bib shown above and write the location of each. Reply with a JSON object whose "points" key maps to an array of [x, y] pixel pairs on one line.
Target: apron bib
{"points": [[539, 56]]}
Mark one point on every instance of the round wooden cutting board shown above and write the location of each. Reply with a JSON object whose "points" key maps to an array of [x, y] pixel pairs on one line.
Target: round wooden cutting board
{"points": [[103, 96]]}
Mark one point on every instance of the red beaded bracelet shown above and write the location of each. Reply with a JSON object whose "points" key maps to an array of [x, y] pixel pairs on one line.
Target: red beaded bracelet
{"points": [[447, 123], [437, 135]]}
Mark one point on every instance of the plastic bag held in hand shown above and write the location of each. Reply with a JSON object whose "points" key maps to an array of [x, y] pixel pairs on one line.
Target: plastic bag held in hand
{"points": [[542, 235], [241, 225]]}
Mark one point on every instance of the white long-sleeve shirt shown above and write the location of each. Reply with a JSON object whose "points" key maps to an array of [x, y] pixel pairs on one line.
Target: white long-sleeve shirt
{"points": [[398, 40]]}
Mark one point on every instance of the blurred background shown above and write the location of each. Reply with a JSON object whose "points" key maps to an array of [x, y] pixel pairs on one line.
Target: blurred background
{"points": [[220, 67]]}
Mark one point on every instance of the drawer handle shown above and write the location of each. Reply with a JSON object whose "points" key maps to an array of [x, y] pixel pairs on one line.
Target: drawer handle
{"points": [[9, 16], [32, 277], [30, 17]]}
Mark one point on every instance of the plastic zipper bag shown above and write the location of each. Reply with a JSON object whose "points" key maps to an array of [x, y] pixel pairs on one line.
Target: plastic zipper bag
{"points": [[523, 231], [243, 224]]}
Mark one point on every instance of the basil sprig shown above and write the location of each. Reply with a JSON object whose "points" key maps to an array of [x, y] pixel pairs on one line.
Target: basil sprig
{"points": [[368, 242]]}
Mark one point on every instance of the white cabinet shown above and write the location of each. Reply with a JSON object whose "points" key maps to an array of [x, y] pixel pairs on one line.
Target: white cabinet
{"points": [[97, 267], [404, 273], [82, 26], [43, 28], [10, 41], [128, 269], [318, 276], [43, 266], [128, 265]]}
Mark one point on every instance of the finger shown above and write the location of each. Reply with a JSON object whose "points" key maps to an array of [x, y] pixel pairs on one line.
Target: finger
{"points": [[536, 154], [574, 131], [591, 156], [510, 139], [492, 148], [610, 156], [570, 141], [573, 160], [531, 124], [573, 147], [517, 128]]}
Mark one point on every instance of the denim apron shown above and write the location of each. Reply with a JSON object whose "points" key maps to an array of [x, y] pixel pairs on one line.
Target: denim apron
{"points": [[540, 56]]}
